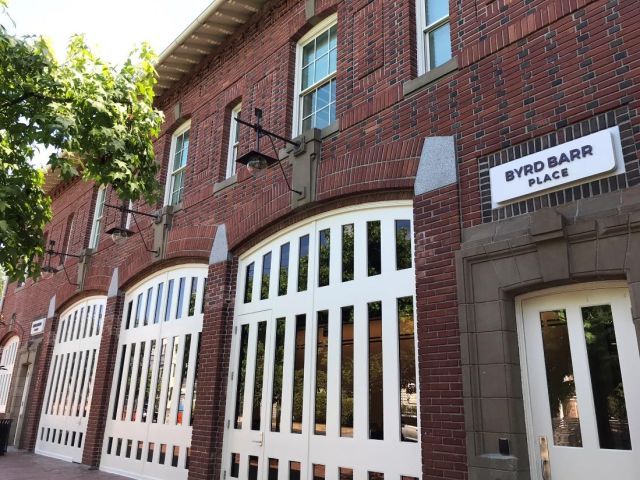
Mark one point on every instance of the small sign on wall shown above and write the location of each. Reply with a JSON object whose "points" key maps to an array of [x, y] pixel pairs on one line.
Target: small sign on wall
{"points": [[37, 327], [570, 163]]}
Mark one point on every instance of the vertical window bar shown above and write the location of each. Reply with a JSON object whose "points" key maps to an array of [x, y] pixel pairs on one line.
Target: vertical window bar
{"points": [[324, 256], [266, 276], [303, 263], [240, 379], [283, 275], [346, 373], [183, 380], [248, 283], [407, 366], [403, 244], [322, 352], [258, 376], [376, 406], [298, 374], [374, 261], [278, 372]]}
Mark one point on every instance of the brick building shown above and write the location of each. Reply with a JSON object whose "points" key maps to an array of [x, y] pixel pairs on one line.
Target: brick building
{"points": [[441, 282]]}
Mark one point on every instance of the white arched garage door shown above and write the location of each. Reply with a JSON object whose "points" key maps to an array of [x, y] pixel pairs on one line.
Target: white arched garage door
{"points": [[323, 378], [7, 362], [65, 411], [151, 408]]}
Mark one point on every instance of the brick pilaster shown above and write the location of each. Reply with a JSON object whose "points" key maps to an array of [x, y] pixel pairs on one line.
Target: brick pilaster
{"points": [[97, 419], [208, 424], [437, 237], [39, 384]]}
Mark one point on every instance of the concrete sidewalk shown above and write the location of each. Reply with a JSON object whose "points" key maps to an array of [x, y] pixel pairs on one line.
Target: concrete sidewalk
{"points": [[21, 465]]}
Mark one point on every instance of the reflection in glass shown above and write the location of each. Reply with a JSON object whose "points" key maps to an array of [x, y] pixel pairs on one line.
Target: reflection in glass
{"points": [[273, 469], [147, 308], [128, 452], [128, 322], [183, 380], [376, 407], [298, 374], [138, 382], [167, 311], [283, 280], [242, 373], [376, 476], [147, 388], [324, 253], [235, 465], [303, 263], [347, 252], [276, 398], [192, 296], [118, 383], [439, 45], [259, 375], [194, 390], [156, 314], [403, 244], [127, 386], [346, 373], [172, 378], [163, 453], [373, 248], [156, 403], [266, 275], [318, 472], [136, 321], [294, 470], [139, 450], [180, 298], [248, 283], [322, 348], [563, 402], [408, 391], [150, 452], [345, 473], [253, 467], [118, 445], [175, 456], [606, 378]]}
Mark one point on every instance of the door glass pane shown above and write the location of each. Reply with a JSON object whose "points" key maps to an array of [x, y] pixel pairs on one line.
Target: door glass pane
{"points": [[408, 391], [248, 283], [127, 386], [376, 407], [147, 389], [321, 373], [284, 269], [345, 473], [318, 472], [403, 244], [273, 469], [347, 252], [183, 380], [561, 388], [253, 467], [373, 248], [276, 399], [180, 298], [266, 275], [137, 382], [167, 311], [346, 376], [235, 465], [192, 296], [150, 452], [298, 374], [324, 253], [172, 378], [156, 403], [376, 476], [259, 375], [294, 470], [606, 379], [303, 263], [242, 371]]}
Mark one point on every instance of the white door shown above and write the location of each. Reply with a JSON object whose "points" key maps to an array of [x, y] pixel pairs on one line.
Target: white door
{"points": [[151, 408], [67, 400], [7, 362], [322, 379], [581, 354]]}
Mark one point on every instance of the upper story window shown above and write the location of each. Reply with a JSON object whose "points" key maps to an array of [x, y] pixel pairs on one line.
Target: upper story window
{"points": [[177, 165], [98, 215], [435, 41], [234, 139], [316, 77]]}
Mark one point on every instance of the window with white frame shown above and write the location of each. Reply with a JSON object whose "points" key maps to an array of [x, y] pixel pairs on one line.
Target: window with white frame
{"points": [[98, 215], [316, 77], [177, 165], [435, 40], [234, 139]]}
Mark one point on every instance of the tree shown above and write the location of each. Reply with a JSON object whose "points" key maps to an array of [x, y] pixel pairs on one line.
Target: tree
{"points": [[99, 119]]}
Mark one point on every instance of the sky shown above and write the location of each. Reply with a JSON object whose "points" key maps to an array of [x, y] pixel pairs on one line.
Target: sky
{"points": [[112, 27]]}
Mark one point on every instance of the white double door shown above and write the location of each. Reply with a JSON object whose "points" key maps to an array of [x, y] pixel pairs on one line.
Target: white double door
{"points": [[322, 381], [582, 375]]}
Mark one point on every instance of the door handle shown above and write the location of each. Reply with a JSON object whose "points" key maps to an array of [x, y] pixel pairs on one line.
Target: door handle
{"points": [[545, 464], [258, 439]]}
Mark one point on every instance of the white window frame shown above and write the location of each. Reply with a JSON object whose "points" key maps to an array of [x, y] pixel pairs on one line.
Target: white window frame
{"points": [[98, 215], [423, 30], [170, 172], [326, 24], [234, 140]]}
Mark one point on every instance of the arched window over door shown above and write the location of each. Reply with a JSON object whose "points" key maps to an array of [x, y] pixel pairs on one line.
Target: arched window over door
{"points": [[7, 362]]}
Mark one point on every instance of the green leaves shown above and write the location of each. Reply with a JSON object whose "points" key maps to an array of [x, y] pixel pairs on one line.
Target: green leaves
{"points": [[99, 118]]}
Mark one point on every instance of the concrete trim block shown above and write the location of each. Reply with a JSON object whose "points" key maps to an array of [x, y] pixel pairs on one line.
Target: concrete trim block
{"points": [[220, 247], [52, 307], [113, 285], [438, 167]]}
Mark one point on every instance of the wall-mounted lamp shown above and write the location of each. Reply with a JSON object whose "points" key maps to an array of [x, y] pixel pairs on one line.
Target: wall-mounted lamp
{"points": [[255, 159], [118, 234], [47, 271]]}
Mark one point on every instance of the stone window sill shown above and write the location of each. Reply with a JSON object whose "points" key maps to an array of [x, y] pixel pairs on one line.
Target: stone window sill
{"points": [[224, 184], [415, 84]]}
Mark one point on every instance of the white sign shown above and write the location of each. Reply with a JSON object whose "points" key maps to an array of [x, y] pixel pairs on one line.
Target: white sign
{"points": [[37, 327], [598, 154]]}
